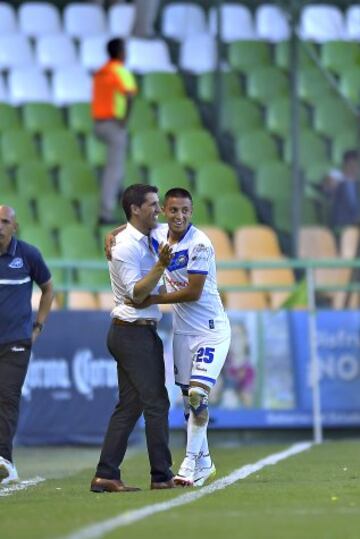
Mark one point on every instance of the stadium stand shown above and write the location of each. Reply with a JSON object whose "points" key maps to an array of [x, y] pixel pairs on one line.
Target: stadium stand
{"points": [[46, 60]]}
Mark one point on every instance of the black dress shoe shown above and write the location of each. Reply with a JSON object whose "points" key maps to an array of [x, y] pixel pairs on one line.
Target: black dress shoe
{"points": [[160, 485], [98, 484]]}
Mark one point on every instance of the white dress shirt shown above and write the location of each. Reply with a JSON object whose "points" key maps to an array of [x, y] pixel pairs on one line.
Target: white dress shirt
{"points": [[132, 259]]}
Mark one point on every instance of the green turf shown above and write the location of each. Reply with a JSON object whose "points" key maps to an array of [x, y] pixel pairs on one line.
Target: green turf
{"points": [[314, 495]]}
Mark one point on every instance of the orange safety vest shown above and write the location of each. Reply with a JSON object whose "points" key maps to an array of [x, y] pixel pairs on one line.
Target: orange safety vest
{"points": [[111, 86]]}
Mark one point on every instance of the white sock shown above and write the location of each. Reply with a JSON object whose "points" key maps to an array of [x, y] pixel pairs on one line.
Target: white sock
{"points": [[195, 435], [204, 452]]}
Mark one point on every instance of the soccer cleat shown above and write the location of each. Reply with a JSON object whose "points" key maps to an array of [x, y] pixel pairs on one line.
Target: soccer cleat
{"points": [[185, 475], [8, 472], [203, 473]]}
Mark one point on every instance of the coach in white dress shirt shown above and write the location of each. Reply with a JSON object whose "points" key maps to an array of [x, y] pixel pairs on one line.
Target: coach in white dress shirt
{"points": [[133, 341]]}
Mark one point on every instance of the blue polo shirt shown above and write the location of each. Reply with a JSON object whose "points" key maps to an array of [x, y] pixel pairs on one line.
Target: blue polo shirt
{"points": [[20, 266]]}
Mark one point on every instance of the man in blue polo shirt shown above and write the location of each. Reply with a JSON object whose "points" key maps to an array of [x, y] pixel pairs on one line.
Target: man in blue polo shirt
{"points": [[21, 264]]}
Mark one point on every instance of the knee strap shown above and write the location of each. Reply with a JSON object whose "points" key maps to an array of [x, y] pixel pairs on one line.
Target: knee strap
{"points": [[198, 399]]}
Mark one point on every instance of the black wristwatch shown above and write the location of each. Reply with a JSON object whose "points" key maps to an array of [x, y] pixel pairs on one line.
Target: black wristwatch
{"points": [[38, 325]]}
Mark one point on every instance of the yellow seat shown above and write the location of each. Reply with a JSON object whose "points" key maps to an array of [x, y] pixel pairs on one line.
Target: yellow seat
{"points": [[239, 300], [82, 300], [221, 242], [318, 242], [276, 276], [256, 243]]}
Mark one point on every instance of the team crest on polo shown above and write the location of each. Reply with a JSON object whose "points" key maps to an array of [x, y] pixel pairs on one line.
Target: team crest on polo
{"points": [[16, 263]]}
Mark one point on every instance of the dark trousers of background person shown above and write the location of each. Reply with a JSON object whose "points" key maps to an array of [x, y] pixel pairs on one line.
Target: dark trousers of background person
{"points": [[114, 135], [138, 351], [14, 361]]}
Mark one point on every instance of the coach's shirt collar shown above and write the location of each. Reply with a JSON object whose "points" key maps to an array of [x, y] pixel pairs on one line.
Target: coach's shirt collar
{"points": [[11, 249]]}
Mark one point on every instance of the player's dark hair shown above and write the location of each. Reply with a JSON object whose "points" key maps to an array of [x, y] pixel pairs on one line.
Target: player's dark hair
{"points": [[177, 192], [116, 49], [136, 194]]}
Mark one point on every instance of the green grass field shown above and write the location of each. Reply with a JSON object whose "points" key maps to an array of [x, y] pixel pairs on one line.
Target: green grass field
{"points": [[313, 495]]}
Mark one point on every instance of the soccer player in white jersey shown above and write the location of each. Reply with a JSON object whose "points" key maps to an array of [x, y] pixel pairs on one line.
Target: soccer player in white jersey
{"points": [[201, 327]]}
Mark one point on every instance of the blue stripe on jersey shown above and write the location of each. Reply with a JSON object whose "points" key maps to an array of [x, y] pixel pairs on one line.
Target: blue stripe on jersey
{"points": [[155, 244], [198, 271], [195, 377]]}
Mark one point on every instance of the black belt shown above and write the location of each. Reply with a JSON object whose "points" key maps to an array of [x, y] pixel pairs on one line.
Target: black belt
{"points": [[138, 322]]}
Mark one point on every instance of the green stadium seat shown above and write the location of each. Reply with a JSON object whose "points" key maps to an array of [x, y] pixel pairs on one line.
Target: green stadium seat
{"points": [[59, 147], [142, 116], [93, 278], [9, 117], [316, 172], [178, 115], [41, 238], [342, 142], [254, 148], [232, 210], [32, 179], [150, 147], [89, 211], [313, 85], [195, 147], [312, 149], [166, 183], [278, 116], [17, 147], [77, 242], [282, 54], [6, 186], [159, 87], [240, 115], [53, 211], [245, 55], [282, 214], [333, 116], [42, 117], [79, 118], [169, 170], [350, 85], [338, 56], [206, 86], [201, 213], [77, 179], [95, 151], [22, 207], [273, 181], [267, 83], [132, 174], [213, 178]]}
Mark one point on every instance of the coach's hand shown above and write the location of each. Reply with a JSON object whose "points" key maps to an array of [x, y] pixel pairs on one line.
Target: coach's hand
{"points": [[165, 254]]}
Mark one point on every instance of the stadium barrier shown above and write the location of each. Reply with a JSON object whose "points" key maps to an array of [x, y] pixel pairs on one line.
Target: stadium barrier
{"points": [[270, 380]]}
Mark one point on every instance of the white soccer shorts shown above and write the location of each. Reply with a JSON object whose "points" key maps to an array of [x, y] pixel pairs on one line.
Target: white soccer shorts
{"points": [[199, 357]]}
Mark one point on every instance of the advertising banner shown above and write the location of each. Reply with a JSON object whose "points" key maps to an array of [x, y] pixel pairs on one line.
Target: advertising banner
{"points": [[71, 385]]}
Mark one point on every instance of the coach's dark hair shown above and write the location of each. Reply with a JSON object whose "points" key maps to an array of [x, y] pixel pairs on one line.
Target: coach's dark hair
{"points": [[177, 192], [136, 194], [116, 49]]}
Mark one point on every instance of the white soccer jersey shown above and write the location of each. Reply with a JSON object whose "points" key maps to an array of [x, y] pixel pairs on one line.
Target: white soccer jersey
{"points": [[194, 253]]}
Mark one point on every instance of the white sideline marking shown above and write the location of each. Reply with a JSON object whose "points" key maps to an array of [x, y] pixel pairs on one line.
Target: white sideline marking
{"points": [[22, 485], [101, 528]]}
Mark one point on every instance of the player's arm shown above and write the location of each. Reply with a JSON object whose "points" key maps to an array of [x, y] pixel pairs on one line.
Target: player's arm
{"points": [[144, 286], [46, 298], [191, 292], [109, 240]]}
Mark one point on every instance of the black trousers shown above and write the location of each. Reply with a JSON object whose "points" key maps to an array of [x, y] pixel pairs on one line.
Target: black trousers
{"points": [[14, 361], [138, 351]]}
